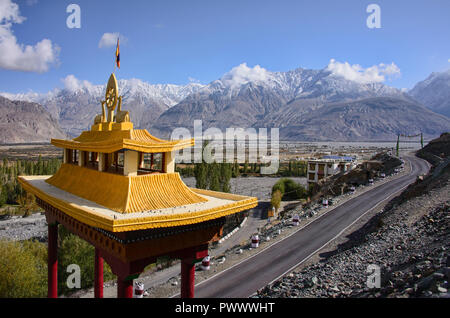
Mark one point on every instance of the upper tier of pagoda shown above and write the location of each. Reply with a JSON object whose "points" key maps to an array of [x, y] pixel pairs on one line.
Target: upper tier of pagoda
{"points": [[104, 138], [113, 131]]}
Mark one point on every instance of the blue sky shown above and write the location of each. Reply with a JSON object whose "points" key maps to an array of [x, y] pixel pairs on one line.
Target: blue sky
{"points": [[178, 41]]}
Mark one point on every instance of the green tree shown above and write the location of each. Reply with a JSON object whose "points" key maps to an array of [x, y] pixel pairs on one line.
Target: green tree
{"points": [[236, 170], [74, 250], [214, 177], [3, 196], [225, 176], [245, 166], [201, 174]]}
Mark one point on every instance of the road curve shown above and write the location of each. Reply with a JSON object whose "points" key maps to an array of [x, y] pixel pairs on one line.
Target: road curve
{"points": [[245, 278]]}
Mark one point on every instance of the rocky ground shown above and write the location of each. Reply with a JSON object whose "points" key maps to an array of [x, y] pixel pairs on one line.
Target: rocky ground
{"points": [[18, 228]]}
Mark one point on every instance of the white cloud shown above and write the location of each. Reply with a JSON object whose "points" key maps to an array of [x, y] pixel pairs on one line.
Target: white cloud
{"points": [[193, 80], [355, 72], [110, 39], [243, 74], [20, 57], [72, 84]]}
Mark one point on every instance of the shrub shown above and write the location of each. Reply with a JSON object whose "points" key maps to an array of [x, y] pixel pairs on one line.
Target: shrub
{"points": [[27, 204], [23, 269], [290, 190], [276, 199], [279, 186]]}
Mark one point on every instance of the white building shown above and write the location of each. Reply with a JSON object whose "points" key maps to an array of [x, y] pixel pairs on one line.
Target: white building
{"points": [[319, 169]]}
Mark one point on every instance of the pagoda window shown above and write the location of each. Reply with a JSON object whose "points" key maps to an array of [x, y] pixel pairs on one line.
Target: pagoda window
{"points": [[83, 158], [120, 159], [155, 162], [146, 163], [93, 157], [75, 156], [71, 156], [92, 160]]}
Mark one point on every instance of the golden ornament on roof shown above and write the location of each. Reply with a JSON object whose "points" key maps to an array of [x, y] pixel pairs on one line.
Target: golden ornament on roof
{"points": [[112, 93], [112, 100]]}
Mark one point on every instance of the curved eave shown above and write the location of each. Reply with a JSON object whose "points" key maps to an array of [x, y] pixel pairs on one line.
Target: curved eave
{"points": [[99, 220], [116, 145]]}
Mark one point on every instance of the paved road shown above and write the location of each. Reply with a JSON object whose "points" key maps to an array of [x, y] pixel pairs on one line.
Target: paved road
{"points": [[245, 278]]}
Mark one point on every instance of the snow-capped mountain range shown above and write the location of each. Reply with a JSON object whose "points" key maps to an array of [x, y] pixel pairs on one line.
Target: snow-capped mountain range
{"points": [[244, 97], [434, 92], [76, 105]]}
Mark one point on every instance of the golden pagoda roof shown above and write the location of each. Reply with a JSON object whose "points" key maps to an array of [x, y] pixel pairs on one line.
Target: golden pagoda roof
{"points": [[108, 141], [125, 194]]}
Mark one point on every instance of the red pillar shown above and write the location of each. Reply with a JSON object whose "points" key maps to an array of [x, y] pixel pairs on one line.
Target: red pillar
{"points": [[187, 277], [52, 260], [98, 275], [124, 288]]}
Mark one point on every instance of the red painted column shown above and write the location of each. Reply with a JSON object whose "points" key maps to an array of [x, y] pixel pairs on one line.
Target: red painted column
{"points": [[98, 275], [124, 288], [187, 277], [52, 261]]}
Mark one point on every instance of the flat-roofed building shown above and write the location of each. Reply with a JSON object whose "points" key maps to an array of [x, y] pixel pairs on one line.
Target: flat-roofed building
{"points": [[326, 166]]}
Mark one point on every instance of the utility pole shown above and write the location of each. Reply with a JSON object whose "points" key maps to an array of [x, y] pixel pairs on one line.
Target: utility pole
{"points": [[398, 144]]}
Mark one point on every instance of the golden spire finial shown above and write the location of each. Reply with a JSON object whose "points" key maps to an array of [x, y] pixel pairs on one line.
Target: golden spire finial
{"points": [[111, 96], [112, 99]]}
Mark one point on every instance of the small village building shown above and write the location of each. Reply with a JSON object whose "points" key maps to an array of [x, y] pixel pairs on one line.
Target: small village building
{"points": [[318, 169]]}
